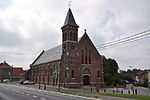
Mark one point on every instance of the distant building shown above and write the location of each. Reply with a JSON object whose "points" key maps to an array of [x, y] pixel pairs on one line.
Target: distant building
{"points": [[75, 63], [148, 75], [5, 71], [17, 72], [28, 74], [143, 77], [136, 78], [10, 72]]}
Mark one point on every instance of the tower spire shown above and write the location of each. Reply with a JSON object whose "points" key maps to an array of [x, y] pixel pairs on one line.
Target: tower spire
{"points": [[70, 21]]}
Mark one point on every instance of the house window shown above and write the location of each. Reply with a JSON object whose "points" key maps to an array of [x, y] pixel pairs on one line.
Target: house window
{"points": [[82, 56], [89, 56], [98, 74], [72, 74], [86, 55]]}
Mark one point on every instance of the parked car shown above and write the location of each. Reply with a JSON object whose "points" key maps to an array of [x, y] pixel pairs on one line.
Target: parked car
{"points": [[27, 82], [136, 84], [6, 81], [149, 85], [21, 82]]}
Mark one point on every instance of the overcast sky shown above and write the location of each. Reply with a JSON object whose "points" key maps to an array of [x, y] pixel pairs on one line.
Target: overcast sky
{"points": [[29, 26]]}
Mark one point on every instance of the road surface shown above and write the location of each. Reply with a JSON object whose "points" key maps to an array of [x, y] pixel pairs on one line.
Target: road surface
{"points": [[140, 90], [13, 92]]}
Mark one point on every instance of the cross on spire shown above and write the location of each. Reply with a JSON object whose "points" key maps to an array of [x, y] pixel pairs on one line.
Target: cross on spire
{"points": [[69, 4], [85, 30]]}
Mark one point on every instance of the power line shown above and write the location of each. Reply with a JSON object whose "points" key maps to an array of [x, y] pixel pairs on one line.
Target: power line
{"points": [[123, 38], [15, 53], [19, 53], [124, 43]]}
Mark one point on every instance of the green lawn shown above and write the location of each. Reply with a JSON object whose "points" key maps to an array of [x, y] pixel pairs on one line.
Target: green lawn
{"points": [[139, 97]]}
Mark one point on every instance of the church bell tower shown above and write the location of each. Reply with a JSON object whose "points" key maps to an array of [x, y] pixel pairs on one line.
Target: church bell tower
{"points": [[69, 33], [70, 28], [69, 48]]}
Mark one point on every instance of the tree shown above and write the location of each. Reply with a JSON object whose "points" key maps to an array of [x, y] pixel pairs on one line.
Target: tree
{"points": [[111, 75], [129, 74]]}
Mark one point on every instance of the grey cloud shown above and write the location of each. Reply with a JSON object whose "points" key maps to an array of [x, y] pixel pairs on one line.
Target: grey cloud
{"points": [[9, 39], [104, 20]]}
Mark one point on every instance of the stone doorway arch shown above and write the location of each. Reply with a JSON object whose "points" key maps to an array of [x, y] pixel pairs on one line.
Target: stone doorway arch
{"points": [[86, 77], [86, 80]]}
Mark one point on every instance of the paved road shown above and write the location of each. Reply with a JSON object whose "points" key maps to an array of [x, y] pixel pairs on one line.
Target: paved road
{"points": [[65, 90], [140, 90], [12, 92]]}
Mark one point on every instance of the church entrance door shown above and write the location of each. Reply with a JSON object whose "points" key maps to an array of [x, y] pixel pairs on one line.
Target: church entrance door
{"points": [[86, 80]]}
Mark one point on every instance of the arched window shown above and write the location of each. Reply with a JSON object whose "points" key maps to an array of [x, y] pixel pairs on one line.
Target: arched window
{"points": [[82, 57], [70, 35], [72, 74], [74, 36], [98, 74], [89, 56], [66, 38], [63, 37], [45, 71], [86, 55], [65, 74]]}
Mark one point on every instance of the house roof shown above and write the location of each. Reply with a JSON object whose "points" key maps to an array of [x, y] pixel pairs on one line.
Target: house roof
{"points": [[70, 19], [49, 55], [17, 71], [5, 65]]}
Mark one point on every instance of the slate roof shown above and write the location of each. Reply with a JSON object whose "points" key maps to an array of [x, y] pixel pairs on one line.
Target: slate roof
{"points": [[17, 71], [49, 55], [5, 65], [70, 19]]}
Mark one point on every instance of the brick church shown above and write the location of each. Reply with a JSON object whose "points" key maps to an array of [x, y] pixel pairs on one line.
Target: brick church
{"points": [[75, 63]]}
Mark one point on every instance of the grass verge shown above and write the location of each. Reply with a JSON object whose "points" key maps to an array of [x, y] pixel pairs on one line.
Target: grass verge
{"points": [[139, 97]]}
